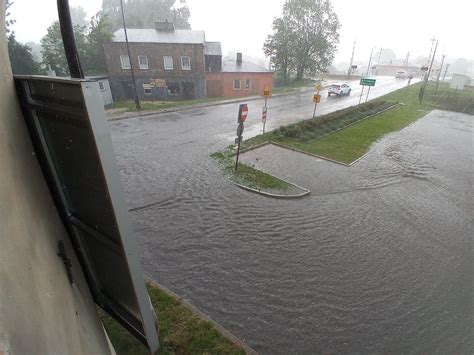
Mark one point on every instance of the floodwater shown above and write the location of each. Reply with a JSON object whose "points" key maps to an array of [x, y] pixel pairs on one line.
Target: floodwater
{"points": [[379, 258]]}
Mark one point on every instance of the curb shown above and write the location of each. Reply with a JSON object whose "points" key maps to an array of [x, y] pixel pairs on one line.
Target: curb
{"points": [[227, 334], [216, 103], [269, 194]]}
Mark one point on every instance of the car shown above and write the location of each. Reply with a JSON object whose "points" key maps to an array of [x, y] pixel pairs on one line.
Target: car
{"points": [[339, 89], [401, 74]]}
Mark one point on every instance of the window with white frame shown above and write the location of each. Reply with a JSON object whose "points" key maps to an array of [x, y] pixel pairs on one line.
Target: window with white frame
{"points": [[101, 86], [147, 90], [185, 63], [248, 84], [143, 62], [168, 62], [125, 61], [237, 84]]}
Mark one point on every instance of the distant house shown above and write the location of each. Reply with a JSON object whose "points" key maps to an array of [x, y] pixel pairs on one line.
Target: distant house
{"points": [[168, 64], [238, 78]]}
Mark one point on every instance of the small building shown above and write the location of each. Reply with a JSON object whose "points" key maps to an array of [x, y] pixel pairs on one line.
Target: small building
{"points": [[458, 81], [238, 78], [168, 64]]}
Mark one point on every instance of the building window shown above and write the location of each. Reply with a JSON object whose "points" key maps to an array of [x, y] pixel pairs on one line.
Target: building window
{"points": [[168, 62], [186, 63], [248, 84], [143, 62], [237, 84], [125, 61], [101, 86]]}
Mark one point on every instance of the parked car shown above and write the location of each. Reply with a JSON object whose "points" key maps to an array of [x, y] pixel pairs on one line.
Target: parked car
{"points": [[339, 89], [401, 74]]}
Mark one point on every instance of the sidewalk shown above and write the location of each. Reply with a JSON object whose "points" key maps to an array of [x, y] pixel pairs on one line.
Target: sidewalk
{"points": [[116, 116]]}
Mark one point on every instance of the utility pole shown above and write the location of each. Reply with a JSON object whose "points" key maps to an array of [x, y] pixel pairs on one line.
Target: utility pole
{"points": [[445, 72], [380, 55], [349, 72], [439, 72], [425, 82], [134, 87], [406, 59], [433, 40], [366, 74]]}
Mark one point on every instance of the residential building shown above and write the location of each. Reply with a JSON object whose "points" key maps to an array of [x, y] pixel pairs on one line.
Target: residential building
{"points": [[168, 64], [238, 78]]}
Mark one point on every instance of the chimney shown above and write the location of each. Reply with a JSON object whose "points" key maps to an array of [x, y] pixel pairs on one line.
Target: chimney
{"points": [[164, 26], [239, 58]]}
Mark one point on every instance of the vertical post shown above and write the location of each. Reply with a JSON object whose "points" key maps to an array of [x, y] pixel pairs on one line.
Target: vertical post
{"points": [[349, 72], [361, 93], [238, 153], [266, 113], [367, 97], [314, 112], [439, 72], [134, 87], [423, 87], [445, 72]]}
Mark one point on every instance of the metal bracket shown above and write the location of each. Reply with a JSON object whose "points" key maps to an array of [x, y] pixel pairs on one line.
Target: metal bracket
{"points": [[67, 262]]}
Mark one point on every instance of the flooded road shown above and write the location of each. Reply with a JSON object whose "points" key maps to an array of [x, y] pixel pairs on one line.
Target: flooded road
{"points": [[377, 259]]}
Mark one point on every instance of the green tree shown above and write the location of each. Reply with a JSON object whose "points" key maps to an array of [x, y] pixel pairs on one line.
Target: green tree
{"points": [[21, 59], [305, 37], [144, 13], [99, 33], [78, 16], [53, 48]]}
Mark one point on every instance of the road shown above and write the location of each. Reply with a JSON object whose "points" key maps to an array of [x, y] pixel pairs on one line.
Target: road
{"points": [[377, 259]]}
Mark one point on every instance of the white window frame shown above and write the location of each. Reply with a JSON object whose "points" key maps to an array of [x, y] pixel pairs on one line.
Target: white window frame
{"points": [[182, 64], [145, 66], [147, 93], [164, 62], [250, 84], [125, 65], [240, 84]]}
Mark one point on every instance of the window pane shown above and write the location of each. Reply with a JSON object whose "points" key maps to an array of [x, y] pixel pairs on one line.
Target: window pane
{"points": [[125, 61], [185, 63], [237, 84], [168, 62], [143, 61], [247, 84]]}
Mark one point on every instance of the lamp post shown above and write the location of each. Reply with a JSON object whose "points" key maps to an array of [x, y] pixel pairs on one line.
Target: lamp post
{"points": [[134, 87]]}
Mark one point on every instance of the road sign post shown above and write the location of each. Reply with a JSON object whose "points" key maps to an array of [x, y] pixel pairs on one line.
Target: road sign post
{"points": [[316, 100], [243, 113], [264, 115], [366, 82]]}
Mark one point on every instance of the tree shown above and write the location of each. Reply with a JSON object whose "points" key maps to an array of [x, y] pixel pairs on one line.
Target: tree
{"points": [[53, 48], [78, 16], [278, 47], [305, 38], [21, 58], [99, 33], [144, 13]]}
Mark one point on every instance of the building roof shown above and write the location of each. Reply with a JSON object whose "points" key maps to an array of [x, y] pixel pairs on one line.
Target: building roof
{"points": [[212, 48], [231, 66], [150, 35]]}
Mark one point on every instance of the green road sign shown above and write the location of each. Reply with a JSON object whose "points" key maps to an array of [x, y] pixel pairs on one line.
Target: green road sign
{"points": [[367, 82]]}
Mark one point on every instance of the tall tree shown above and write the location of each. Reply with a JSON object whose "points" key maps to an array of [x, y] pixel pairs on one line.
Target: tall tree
{"points": [[53, 48], [144, 13], [78, 16], [99, 33], [310, 28], [21, 58]]}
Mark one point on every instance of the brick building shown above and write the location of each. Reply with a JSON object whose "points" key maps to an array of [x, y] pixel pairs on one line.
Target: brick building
{"points": [[168, 64], [238, 78]]}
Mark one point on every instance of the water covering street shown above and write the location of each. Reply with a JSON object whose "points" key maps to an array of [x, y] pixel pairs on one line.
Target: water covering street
{"points": [[378, 258]]}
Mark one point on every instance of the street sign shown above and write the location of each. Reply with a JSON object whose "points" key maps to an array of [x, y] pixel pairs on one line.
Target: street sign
{"points": [[317, 98], [264, 114], [243, 113], [367, 82], [318, 87], [424, 68], [266, 91], [240, 129], [354, 67]]}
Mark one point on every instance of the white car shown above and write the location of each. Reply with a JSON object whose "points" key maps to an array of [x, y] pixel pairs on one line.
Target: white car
{"points": [[401, 74], [339, 89]]}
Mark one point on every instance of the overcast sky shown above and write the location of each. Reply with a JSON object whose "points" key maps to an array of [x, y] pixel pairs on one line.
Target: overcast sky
{"points": [[242, 25]]}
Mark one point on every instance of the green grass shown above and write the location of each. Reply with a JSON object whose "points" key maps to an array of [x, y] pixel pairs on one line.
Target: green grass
{"points": [[293, 86], [129, 106], [180, 331], [248, 176]]}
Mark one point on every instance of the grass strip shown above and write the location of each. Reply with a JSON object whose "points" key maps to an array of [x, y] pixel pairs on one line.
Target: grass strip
{"points": [[180, 331], [249, 176]]}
